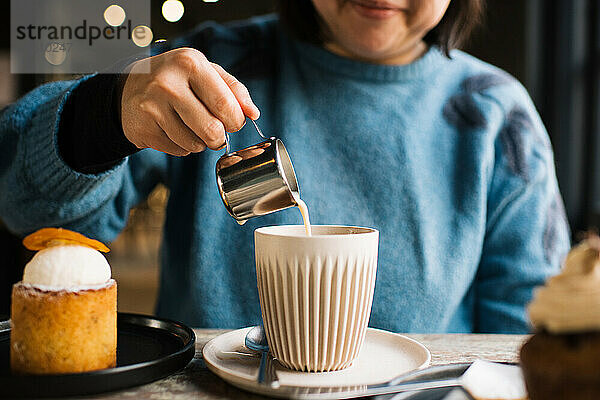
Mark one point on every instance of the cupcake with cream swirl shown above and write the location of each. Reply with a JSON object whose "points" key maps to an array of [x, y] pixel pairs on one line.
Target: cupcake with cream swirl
{"points": [[64, 311], [562, 359]]}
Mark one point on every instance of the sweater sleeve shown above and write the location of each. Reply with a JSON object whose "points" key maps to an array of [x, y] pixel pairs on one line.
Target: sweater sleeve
{"points": [[527, 233], [90, 136], [39, 189]]}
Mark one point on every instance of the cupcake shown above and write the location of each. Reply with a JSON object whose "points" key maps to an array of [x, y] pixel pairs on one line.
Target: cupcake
{"points": [[64, 311], [562, 359]]}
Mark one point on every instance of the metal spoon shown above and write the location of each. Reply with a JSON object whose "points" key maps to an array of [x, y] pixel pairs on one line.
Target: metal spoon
{"points": [[256, 340]]}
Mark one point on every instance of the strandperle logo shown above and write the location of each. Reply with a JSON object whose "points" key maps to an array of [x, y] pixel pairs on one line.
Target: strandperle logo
{"points": [[78, 36], [84, 31]]}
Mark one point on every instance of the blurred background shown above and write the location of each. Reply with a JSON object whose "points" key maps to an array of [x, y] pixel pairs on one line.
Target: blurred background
{"points": [[551, 46]]}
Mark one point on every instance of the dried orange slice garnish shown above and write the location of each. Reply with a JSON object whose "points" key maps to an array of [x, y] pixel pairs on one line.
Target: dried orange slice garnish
{"points": [[48, 237]]}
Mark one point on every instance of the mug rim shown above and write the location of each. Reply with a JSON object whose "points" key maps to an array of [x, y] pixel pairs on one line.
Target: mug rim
{"points": [[276, 231]]}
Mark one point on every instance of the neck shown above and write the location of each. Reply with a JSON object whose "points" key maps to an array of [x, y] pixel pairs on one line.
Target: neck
{"points": [[405, 57]]}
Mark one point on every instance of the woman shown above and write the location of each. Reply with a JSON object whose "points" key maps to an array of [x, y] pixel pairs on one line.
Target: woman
{"points": [[386, 126]]}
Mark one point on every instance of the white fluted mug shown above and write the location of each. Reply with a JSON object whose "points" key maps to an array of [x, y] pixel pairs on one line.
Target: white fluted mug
{"points": [[316, 292]]}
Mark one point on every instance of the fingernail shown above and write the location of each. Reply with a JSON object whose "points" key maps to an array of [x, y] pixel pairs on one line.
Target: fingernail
{"points": [[256, 110], [253, 107]]}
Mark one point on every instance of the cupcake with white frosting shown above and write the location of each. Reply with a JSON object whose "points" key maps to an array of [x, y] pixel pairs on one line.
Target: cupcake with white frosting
{"points": [[562, 359], [64, 311]]}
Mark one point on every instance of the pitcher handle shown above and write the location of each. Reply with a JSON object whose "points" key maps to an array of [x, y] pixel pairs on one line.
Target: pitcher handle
{"points": [[227, 148], [258, 129], [226, 143]]}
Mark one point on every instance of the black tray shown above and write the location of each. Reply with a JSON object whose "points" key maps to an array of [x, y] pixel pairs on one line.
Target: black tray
{"points": [[148, 349]]}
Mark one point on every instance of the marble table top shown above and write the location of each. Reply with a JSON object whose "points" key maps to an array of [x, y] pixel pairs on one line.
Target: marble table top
{"points": [[198, 383]]}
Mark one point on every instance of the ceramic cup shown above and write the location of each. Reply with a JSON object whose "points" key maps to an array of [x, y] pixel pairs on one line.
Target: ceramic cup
{"points": [[316, 292]]}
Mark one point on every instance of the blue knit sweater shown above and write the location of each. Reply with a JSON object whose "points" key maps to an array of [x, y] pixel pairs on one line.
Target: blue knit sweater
{"points": [[447, 158]]}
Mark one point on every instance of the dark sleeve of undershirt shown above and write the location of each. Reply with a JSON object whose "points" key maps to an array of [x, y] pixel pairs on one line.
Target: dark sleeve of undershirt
{"points": [[90, 135]]}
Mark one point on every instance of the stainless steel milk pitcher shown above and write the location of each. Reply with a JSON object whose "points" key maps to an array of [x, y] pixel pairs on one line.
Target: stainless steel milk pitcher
{"points": [[257, 180]]}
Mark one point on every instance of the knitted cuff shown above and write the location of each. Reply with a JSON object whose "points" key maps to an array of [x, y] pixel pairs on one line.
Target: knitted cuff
{"points": [[43, 166]]}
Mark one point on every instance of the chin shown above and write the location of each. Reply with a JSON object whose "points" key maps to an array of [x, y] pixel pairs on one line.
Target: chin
{"points": [[370, 50]]}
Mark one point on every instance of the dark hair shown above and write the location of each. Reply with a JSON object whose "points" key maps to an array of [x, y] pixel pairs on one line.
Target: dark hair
{"points": [[461, 18]]}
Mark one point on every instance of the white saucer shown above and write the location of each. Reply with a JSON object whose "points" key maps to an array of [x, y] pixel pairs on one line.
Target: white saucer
{"points": [[384, 356]]}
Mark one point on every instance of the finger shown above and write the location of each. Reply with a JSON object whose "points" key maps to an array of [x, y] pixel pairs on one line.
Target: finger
{"points": [[209, 87], [161, 142], [200, 120], [240, 91], [179, 132]]}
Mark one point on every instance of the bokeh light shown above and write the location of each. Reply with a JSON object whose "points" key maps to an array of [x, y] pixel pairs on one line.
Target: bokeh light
{"points": [[55, 54], [210, 1], [114, 15], [142, 36], [173, 10]]}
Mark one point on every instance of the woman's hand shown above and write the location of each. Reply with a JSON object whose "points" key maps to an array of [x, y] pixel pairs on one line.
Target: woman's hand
{"points": [[185, 104]]}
